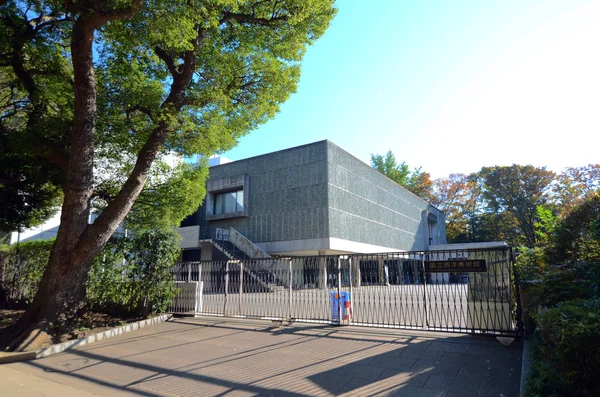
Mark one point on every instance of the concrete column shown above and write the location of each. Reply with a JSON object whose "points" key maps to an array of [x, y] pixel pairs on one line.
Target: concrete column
{"points": [[381, 271], [355, 263], [205, 251], [322, 270]]}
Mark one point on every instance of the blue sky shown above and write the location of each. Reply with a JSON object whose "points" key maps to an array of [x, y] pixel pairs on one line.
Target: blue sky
{"points": [[449, 86]]}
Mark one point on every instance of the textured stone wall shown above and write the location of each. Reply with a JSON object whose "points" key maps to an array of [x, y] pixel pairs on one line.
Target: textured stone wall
{"points": [[319, 191], [366, 206], [287, 194]]}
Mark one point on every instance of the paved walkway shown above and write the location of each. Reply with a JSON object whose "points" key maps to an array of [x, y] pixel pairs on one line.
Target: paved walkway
{"points": [[227, 357]]}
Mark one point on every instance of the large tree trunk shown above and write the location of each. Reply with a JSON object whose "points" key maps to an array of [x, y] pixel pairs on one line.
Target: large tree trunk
{"points": [[62, 288]]}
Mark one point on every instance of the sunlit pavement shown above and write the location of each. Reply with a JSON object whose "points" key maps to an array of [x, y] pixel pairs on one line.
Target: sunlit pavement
{"points": [[230, 357]]}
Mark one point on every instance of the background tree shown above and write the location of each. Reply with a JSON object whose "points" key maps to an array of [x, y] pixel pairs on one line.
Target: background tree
{"points": [[517, 190], [28, 194], [576, 233], [457, 196], [132, 81], [29, 184], [417, 181], [574, 184]]}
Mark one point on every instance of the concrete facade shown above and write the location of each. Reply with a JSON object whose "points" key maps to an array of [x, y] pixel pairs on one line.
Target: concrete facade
{"points": [[319, 199]]}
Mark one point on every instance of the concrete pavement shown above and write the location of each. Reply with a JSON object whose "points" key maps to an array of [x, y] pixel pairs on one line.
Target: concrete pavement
{"points": [[229, 357]]}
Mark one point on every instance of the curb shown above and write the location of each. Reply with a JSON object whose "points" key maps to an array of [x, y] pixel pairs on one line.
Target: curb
{"points": [[13, 357], [6, 357], [525, 365]]}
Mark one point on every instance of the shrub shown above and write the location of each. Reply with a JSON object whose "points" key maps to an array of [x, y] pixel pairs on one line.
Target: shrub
{"points": [[530, 264], [133, 274], [575, 280], [567, 362], [24, 265], [130, 276]]}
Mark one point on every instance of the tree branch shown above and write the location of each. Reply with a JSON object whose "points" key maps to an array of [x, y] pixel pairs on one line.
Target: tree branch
{"points": [[53, 155], [114, 15], [245, 18], [142, 109], [167, 59]]}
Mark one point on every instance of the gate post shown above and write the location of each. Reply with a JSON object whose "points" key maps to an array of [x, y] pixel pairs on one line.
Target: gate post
{"points": [[200, 292], [339, 289], [426, 322], [290, 292], [351, 296], [514, 281], [226, 287], [241, 288]]}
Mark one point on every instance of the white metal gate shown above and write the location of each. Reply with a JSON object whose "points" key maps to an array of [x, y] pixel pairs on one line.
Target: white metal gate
{"points": [[401, 289]]}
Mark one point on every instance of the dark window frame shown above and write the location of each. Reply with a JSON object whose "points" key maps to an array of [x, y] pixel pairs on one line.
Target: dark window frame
{"points": [[223, 204]]}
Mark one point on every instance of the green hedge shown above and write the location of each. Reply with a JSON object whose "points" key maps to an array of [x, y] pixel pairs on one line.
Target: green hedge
{"points": [[130, 276], [24, 265], [567, 351], [134, 274], [576, 280]]}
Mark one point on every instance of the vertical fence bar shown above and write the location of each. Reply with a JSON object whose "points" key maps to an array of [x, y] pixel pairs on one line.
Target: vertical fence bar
{"points": [[426, 322], [189, 279], [200, 289], [514, 282], [199, 271], [339, 288], [241, 288], [226, 287], [351, 296], [290, 295]]}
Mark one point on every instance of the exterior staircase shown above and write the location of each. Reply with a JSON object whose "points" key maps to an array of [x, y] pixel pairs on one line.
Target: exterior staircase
{"points": [[236, 246]]}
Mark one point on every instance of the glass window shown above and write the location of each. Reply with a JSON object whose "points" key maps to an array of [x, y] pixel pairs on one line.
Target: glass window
{"points": [[229, 202]]}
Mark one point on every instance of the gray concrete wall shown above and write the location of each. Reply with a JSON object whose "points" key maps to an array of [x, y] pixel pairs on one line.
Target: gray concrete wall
{"points": [[286, 194], [318, 191], [365, 206]]}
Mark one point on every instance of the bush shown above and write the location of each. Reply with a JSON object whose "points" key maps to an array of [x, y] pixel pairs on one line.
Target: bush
{"points": [[567, 359], [530, 264], [130, 277], [575, 280], [133, 275], [24, 265]]}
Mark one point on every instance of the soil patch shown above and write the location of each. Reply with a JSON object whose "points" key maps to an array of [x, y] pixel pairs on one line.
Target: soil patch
{"points": [[88, 323]]}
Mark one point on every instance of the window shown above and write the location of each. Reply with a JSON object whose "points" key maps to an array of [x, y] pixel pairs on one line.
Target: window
{"points": [[431, 226], [229, 202]]}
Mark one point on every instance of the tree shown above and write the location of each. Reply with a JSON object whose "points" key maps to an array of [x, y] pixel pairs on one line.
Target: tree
{"points": [[416, 181], [517, 190], [420, 183], [574, 184], [28, 195], [576, 233], [130, 82], [457, 196], [29, 185]]}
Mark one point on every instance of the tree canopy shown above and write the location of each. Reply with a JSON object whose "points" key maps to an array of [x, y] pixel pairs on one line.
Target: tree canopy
{"points": [[105, 92], [243, 60], [416, 181], [516, 190]]}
